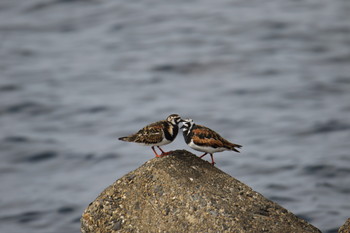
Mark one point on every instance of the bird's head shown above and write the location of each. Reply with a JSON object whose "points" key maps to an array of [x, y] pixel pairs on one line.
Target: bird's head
{"points": [[174, 119], [187, 124]]}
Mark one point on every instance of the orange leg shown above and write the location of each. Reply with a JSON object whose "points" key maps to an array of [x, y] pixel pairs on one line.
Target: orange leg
{"points": [[155, 152], [212, 159], [163, 152]]}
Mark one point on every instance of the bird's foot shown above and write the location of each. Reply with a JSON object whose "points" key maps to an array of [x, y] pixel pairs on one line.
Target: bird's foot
{"points": [[163, 152]]}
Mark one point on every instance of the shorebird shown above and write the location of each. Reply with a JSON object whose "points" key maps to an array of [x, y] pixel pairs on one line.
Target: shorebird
{"points": [[203, 139], [157, 134]]}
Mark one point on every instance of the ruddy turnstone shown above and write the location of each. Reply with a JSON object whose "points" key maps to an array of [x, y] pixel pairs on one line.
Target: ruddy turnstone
{"points": [[157, 134], [203, 139]]}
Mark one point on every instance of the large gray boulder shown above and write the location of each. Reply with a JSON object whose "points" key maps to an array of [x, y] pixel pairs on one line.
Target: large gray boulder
{"points": [[182, 193], [346, 227]]}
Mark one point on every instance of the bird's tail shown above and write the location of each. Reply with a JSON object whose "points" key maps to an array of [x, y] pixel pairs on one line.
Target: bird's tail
{"points": [[127, 138], [233, 146]]}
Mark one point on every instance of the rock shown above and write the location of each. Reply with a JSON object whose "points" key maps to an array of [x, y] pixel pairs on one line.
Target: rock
{"points": [[183, 193], [345, 228]]}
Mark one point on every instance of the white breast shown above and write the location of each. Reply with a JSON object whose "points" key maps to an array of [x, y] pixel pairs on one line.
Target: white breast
{"points": [[206, 148]]}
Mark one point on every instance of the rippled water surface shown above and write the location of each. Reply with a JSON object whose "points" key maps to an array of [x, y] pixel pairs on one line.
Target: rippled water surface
{"points": [[75, 75]]}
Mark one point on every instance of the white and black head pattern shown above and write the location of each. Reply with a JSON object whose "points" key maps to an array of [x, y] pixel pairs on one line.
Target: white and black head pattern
{"points": [[187, 125], [174, 119]]}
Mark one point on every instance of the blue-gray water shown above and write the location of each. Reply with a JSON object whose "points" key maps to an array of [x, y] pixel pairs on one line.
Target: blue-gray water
{"points": [[75, 75]]}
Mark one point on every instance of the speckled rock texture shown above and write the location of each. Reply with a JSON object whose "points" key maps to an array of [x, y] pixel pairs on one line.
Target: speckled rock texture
{"points": [[345, 228], [183, 193]]}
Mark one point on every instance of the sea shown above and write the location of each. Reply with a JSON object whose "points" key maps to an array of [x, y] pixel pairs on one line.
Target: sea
{"points": [[273, 76]]}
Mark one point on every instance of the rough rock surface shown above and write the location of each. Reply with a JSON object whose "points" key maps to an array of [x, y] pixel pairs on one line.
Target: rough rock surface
{"points": [[346, 227], [182, 193]]}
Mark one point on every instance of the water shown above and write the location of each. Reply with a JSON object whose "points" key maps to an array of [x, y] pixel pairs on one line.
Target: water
{"points": [[76, 75]]}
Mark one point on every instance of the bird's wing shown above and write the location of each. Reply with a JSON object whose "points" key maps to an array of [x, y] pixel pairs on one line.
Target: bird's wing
{"points": [[206, 137], [150, 134]]}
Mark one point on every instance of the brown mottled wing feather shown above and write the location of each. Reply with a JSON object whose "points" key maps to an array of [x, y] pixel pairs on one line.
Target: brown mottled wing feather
{"points": [[150, 134], [206, 137]]}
